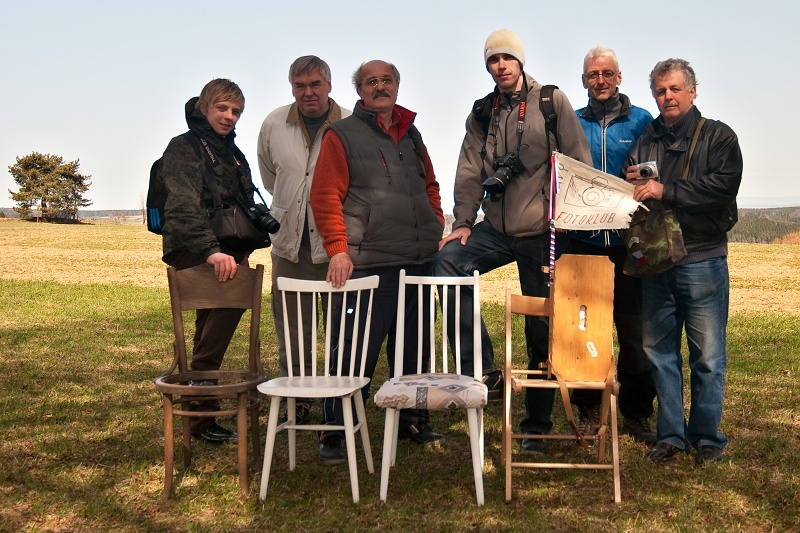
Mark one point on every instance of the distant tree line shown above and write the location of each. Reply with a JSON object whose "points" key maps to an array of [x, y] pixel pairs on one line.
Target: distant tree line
{"points": [[765, 225]]}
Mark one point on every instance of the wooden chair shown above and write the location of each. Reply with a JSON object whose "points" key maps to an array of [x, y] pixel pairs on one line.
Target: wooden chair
{"points": [[580, 309], [198, 288], [433, 387], [345, 383]]}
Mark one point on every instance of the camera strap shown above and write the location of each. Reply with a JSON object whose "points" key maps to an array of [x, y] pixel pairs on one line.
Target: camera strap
{"points": [[523, 98]]}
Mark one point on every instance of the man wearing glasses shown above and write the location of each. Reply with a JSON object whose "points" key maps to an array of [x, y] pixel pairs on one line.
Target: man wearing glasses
{"points": [[377, 206], [504, 143], [612, 125]]}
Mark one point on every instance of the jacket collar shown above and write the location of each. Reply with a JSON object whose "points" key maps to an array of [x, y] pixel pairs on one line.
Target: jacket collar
{"points": [[622, 99], [401, 117]]}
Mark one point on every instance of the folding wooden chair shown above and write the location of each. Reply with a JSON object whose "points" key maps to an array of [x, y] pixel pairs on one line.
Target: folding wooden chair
{"points": [[580, 309]]}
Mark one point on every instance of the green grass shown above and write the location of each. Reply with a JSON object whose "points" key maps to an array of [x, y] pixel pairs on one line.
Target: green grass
{"points": [[81, 440]]}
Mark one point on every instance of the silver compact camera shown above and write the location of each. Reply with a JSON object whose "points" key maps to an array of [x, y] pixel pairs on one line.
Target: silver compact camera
{"points": [[648, 170]]}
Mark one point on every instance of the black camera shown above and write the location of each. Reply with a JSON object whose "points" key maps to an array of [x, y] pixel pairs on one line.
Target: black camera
{"points": [[505, 167], [261, 218]]}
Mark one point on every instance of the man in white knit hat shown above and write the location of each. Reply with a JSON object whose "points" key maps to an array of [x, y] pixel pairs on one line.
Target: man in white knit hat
{"points": [[504, 168]]}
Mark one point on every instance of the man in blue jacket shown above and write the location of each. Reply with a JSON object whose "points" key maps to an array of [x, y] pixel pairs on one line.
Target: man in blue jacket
{"points": [[611, 125]]}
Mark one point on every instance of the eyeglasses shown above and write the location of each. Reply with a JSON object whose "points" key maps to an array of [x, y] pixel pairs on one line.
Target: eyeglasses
{"points": [[608, 75], [373, 82]]}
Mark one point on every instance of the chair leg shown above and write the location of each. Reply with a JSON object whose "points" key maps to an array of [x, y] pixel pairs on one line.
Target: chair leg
{"points": [[474, 440], [291, 416], [506, 451], [241, 429], [186, 439], [350, 439], [389, 440], [615, 449], [362, 417], [254, 428], [395, 432], [169, 446], [269, 447]]}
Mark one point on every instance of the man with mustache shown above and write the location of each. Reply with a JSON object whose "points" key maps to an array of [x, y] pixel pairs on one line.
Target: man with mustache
{"points": [[503, 139], [700, 169], [376, 202], [288, 146]]}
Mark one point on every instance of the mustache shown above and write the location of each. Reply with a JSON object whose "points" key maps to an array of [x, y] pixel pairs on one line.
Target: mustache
{"points": [[381, 92]]}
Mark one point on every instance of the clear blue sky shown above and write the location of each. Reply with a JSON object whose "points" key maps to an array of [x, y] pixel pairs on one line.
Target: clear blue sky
{"points": [[105, 82]]}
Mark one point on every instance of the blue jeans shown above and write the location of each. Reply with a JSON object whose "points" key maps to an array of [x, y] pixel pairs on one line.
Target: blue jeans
{"points": [[693, 297], [487, 249]]}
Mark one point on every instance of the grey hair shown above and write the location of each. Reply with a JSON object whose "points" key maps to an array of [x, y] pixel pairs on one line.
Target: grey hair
{"points": [[307, 65], [663, 68], [358, 75], [600, 51]]}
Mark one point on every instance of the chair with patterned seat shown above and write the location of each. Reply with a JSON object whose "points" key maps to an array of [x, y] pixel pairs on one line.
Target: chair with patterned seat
{"points": [[434, 387]]}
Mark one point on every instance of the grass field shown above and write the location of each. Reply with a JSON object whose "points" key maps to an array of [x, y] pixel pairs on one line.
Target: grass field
{"points": [[84, 328]]}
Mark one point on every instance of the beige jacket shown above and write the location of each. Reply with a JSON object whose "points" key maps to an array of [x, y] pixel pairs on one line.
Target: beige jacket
{"points": [[286, 160]]}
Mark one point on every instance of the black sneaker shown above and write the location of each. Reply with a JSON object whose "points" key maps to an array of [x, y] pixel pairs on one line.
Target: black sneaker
{"points": [[530, 446], [419, 433], [331, 450], [708, 454], [662, 452], [302, 412], [216, 434], [494, 382], [640, 430]]}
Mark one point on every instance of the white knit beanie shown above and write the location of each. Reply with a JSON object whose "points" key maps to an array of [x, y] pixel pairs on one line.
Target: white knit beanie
{"points": [[504, 42]]}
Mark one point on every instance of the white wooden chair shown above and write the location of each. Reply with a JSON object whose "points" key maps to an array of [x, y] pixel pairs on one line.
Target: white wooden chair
{"points": [[434, 387], [580, 309], [345, 383]]}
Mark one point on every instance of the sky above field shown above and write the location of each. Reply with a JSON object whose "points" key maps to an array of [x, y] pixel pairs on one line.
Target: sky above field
{"points": [[106, 82]]}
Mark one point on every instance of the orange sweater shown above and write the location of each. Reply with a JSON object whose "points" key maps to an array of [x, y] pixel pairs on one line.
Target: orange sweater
{"points": [[332, 179]]}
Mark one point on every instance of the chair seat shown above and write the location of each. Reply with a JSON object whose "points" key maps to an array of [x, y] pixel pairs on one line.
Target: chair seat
{"points": [[435, 392], [237, 382], [313, 386]]}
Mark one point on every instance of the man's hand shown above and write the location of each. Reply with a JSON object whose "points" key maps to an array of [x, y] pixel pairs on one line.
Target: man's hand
{"points": [[462, 233], [224, 266], [339, 270], [646, 188]]}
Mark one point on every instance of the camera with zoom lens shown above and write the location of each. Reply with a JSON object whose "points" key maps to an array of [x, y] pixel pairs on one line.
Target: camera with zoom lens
{"points": [[505, 167], [648, 170], [261, 218]]}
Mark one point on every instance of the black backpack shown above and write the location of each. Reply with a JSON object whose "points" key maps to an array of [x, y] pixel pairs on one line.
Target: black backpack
{"points": [[157, 191]]}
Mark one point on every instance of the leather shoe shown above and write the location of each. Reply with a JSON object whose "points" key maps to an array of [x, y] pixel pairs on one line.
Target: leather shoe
{"points": [[216, 434], [419, 433], [708, 454], [331, 451], [662, 452], [495, 385], [533, 446]]}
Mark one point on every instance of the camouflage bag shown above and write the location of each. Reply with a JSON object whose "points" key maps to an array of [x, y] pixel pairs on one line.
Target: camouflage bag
{"points": [[654, 242]]}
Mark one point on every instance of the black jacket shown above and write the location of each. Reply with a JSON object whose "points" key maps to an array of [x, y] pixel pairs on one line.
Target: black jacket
{"points": [[705, 202], [186, 171]]}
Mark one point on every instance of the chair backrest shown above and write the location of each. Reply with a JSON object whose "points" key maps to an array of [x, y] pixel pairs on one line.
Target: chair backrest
{"points": [[432, 349], [197, 288], [348, 310], [581, 321]]}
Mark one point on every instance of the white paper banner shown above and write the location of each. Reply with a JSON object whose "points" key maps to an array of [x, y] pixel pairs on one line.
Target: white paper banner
{"points": [[589, 199]]}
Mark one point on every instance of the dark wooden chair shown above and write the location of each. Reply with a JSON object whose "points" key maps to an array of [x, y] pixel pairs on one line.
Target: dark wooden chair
{"points": [[197, 288]]}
